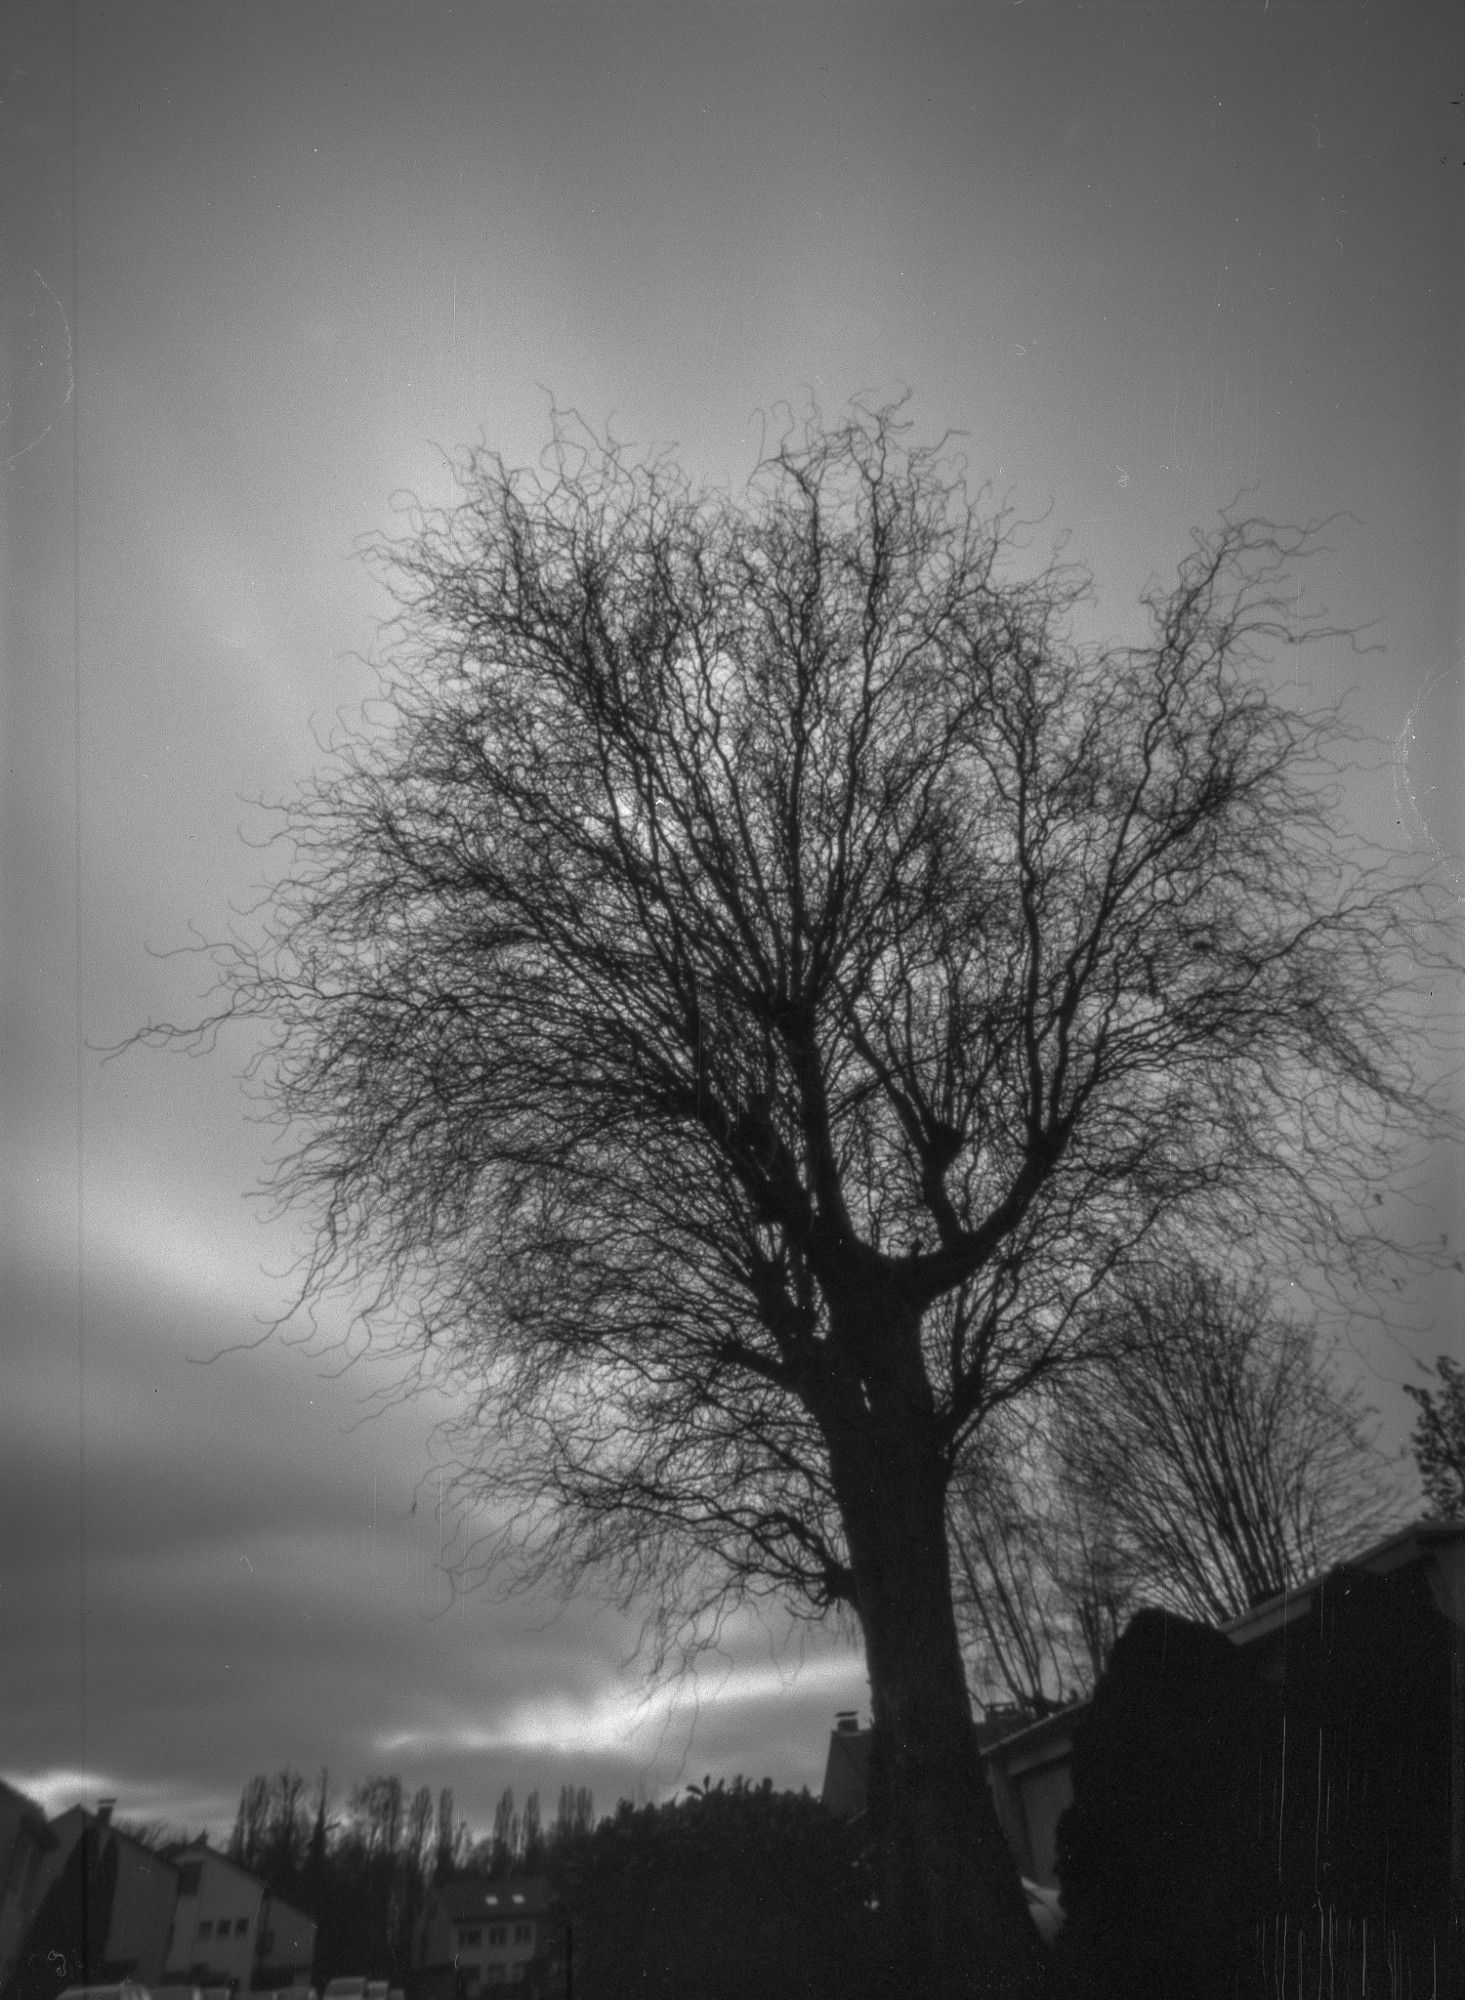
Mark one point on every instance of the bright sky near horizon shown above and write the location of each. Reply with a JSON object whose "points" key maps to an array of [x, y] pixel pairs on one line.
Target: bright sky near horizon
{"points": [[1138, 257]]}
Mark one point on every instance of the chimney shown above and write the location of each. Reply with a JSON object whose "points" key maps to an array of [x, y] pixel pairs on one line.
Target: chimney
{"points": [[104, 1811], [847, 1722]]}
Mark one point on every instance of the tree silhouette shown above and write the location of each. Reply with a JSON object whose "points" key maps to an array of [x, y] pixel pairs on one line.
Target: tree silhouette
{"points": [[1438, 1439], [751, 985], [1213, 1458], [1229, 1456], [1043, 1582]]}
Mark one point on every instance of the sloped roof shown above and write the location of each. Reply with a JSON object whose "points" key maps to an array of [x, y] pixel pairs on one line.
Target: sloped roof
{"points": [[1042, 1741], [1406, 1545], [200, 1850], [79, 1817]]}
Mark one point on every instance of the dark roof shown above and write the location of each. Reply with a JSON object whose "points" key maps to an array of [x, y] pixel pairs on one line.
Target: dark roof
{"points": [[468, 1899], [847, 1771], [110, 1828], [1404, 1546], [1039, 1741], [1036, 1741]]}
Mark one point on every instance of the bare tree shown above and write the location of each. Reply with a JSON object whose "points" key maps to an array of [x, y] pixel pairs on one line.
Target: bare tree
{"points": [[574, 1815], [1043, 1581], [377, 1817], [289, 1827], [753, 983], [1438, 1440], [454, 1841], [250, 1835], [532, 1834], [1231, 1459], [507, 1842]]}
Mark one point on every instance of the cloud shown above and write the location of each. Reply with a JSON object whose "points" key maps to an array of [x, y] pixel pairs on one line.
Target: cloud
{"points": [[620, 1718]]}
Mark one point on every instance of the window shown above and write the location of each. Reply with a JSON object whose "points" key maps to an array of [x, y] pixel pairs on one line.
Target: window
{"points": [[206, 1928], [498, 1933], [241, 1925], [523, 1933], [470, 1937]]}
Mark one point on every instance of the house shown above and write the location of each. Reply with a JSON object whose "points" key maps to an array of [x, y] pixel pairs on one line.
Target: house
{"points": [[25, 1842], [229, 1930], [1027, 1773], [482, 1933], [1030, 1770], [1029, 1767], [128, 1936]]}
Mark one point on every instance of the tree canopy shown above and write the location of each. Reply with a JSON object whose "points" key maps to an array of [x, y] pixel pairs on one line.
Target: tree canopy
{"points": [[755, 980]]}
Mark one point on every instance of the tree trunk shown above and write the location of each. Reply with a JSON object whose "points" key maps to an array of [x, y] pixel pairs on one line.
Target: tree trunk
{"points": [[949, 1884]]}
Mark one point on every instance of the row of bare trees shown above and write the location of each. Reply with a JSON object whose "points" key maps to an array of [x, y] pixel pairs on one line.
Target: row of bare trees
{"points": [[363, 1867]]}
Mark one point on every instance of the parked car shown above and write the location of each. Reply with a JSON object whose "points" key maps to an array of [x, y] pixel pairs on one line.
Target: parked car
{"points": [[126, 1989], [296, 1993], [1044, 1908], [177, 1992], [353, 1988]]}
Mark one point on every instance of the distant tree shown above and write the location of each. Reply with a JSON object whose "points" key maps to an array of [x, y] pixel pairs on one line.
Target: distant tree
{"points": [[378, 1813], [287, 1832], [1221, 1445], [1438, 1440], [574, 1814], [419, 1827], [454, 1841], [1212, 1460], [316, 1853], [754, 981], [363, 1876], [412, 1875], [1043, 1586], [251, 1824], [531, 1835]]}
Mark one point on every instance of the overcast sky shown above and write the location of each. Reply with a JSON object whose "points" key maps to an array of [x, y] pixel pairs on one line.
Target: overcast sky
{"points": [[1140, 256]]}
